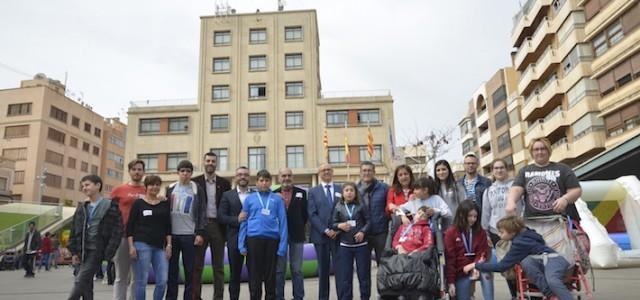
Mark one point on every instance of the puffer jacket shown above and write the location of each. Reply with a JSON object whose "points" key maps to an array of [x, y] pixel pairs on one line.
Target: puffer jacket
{"points": [[360, 214], [410, 273], [109, 231]]}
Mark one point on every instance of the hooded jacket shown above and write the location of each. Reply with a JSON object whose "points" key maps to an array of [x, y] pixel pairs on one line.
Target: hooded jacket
{"points": [[527, 242]]}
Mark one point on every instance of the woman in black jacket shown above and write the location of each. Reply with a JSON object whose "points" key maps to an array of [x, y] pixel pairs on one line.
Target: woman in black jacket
{"points": [[351, 220]]}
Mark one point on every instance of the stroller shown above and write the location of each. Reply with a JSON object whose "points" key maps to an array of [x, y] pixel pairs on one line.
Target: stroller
{"points": [[8, 260], [412, 276]]}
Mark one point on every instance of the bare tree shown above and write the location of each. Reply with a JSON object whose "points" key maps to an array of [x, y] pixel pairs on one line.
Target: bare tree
{"points": [[428, 147]]}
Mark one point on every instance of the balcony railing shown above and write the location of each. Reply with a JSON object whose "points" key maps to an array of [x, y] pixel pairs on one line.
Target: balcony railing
{"points": [[163, 102], [523, 12]]}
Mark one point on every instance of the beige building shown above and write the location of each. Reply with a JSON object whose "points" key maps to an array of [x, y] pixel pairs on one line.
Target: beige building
{"points": [[53, 140], [260, 105], [491, 129], [113, 171], [7, 169]]}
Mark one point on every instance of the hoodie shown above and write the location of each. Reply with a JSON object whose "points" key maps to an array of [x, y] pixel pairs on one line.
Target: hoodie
{"points": [[494, 202], [527, 242]]}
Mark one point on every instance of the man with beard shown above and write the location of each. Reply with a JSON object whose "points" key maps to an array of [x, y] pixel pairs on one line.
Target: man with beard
{"points": [[374, 196], [230, 214], [213, 187], [125, 194]]}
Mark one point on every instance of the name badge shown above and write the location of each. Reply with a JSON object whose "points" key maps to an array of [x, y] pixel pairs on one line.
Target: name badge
{"points": [[338, 195], [469, 254], [352, 223], [147, 212], [265, 212], [403, 239], [298, 195]]}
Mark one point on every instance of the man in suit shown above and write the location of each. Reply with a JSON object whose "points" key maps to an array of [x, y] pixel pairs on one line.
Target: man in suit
{"points": [[213, 187], [295, 202], [230, 214], [322, 200], [31, 246]]}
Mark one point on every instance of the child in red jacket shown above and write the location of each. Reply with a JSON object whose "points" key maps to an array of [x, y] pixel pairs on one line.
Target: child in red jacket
{"points": [[466, 242], [414, 237]]}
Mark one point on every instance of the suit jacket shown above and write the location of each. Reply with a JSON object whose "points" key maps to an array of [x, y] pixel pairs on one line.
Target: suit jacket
{"points": [[297, 214], [230, 208], [35, 241], [222, 185], [321, 212]]}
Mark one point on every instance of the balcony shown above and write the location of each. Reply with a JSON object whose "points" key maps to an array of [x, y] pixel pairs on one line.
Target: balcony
{"points": [[620, 97], [530, 104], [484, 138], [535, 130], [541, 34], [482, 117], [616, 53], [588, 102], [519, 156], [589, 142], [549, 90], [467, 136], [527, 78], [600, 21], [486, 159], [517, 129], [526, 17], [539, 70], [561, 150], [554, 121]]}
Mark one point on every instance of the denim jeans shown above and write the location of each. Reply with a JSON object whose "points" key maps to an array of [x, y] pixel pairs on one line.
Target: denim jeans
{"points": [[295, 265], [181, 244], [548, 278], [148, 254], [344, 271], [463, 286], [44, 261]]}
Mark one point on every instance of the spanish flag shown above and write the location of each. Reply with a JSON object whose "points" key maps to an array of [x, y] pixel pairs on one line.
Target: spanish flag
{"points": [[370, 149], [346, 150], [325, 143]]}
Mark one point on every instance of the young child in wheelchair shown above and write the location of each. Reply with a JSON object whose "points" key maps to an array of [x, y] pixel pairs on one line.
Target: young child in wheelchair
{"points": [[414, 237], [543, 266]]}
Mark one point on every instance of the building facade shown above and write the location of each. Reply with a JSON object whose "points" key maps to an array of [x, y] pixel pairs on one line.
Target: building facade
{"points": [[53, 140], [260, 105], [7, 169], [113, 171]]}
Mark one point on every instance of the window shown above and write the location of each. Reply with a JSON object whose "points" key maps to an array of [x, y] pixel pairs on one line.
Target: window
{"points": [[219, 92], [294, 89], [73, 142], [115, 157], [19, 109], [219, 122], [87, 127], [150, 161], [84, 167], [295, 157], [116, 141], [257, 36], [114, 174], [70, 184], [54, 158], [257, 121], [16, 131], [223, 158], [94, 170], [293, 33], [71, 162], [15, 153], [56, 136], [337, 117], [371, 116], [499, 96], [502, 118], [58, 114], [293, 61], [258, 63], [52, 180], [180, 124], [609, 37], [336, 155], [85, 146], [221, 64], [75, 121], [96, 150], [294, 119], [3, 183], [149, 125], [18, 177], [504, 142], [97, 132], [364, 154], [468, 145], [257, 158], [257, 90], [600, 44], [173, 159], [221, 38]]}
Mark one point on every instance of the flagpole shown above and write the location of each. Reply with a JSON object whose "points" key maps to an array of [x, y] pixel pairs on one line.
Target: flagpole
{"points": [[346, 153]]}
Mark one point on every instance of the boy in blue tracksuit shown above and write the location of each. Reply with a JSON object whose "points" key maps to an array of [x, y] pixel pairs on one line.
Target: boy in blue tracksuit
{"points": [[543, 266], [263, 236]]}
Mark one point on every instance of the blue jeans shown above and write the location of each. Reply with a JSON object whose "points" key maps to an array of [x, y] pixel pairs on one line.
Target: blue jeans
{"points": [[344, 271], [148, 254], [548, 278], [463, 286], [181, 244], [44, 261], [326, 255], [295, 265]]}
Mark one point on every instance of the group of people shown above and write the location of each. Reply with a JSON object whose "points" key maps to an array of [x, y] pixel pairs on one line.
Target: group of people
{"points": [[266, 229]]}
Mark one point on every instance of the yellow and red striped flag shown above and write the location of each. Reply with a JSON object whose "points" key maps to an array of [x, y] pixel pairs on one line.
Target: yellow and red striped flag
{"points": [[346, 149], [325, 143], [370, 149]]}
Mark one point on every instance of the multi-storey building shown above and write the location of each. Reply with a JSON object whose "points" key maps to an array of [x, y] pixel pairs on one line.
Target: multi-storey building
{"points": [[260, 105], [53, 140], [7, 168], [113, 171]]}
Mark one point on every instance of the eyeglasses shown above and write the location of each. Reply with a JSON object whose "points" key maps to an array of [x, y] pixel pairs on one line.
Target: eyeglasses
{"points": [[539, 149], [184, 171]]}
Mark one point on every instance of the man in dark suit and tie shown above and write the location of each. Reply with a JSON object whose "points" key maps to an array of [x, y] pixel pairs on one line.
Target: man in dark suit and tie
{"points": [[295, 202], [230, 214], [322, 200], [213, 187]]}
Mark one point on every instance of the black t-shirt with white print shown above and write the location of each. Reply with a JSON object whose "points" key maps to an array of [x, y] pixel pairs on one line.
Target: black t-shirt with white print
{"points": [[543, 185]]}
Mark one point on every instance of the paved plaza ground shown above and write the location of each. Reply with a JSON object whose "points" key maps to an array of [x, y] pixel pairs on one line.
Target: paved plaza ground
{"points": [[610, 284]]}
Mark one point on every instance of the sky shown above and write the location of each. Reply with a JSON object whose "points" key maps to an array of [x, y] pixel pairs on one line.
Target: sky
{"points": [[432, 55]]}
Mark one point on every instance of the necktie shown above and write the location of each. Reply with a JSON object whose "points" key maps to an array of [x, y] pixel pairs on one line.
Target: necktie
{"points": [[328, 192]]}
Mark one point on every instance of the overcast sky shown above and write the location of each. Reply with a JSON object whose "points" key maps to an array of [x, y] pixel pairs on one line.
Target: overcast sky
{"points": [[431, 54]]}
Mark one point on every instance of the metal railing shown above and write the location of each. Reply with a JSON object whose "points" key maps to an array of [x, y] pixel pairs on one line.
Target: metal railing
{"points": [[164, 102], [11, 236], [350, 94]]}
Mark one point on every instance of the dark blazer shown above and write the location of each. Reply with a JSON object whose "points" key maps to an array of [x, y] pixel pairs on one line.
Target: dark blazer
{"points": [[321, 212], [35, 241], [222, 185], [230, 208], [297, 214]]}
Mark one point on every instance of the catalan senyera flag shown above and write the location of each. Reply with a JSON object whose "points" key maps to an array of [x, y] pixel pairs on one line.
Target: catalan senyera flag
{"points": [[370, 149], [346, 149], [325, 142]]}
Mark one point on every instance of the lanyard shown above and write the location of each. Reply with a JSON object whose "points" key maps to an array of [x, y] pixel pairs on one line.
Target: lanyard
{"points": [[468, 247], [262, 202], [350, 212], [406, 230]]}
